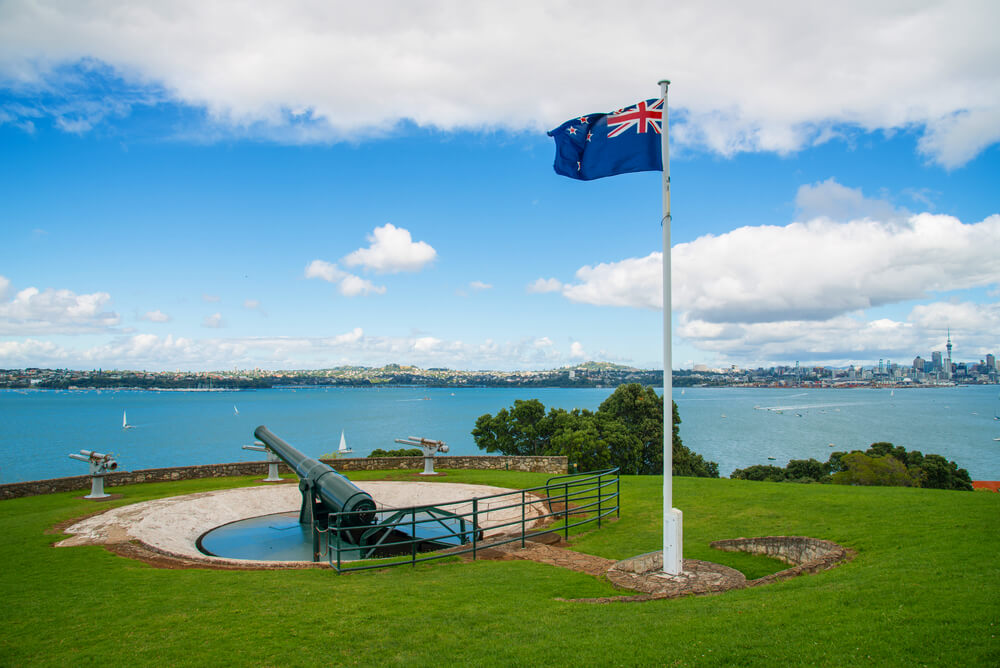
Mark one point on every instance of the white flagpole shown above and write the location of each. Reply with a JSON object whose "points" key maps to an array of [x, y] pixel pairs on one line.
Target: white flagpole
{"points": [[672, 518]]}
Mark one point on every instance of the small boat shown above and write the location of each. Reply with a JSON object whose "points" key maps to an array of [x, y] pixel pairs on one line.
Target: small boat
{"points": [[343, 449], [125, 424], [770, 459], [236, 411]]}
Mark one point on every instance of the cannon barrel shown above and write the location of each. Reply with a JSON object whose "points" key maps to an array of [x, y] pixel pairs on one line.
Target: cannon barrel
{"points": [[334, 491]]}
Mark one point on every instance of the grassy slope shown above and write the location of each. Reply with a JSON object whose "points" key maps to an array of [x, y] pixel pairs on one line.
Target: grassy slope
{"points": [[922, 590]]}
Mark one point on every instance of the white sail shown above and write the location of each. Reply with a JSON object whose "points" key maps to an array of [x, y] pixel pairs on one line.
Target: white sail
{"points": [[125, 424], [343, 443], [236, 411]]}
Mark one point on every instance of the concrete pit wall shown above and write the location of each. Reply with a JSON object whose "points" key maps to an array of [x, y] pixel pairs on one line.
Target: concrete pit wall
{"points": [[806, 555]]}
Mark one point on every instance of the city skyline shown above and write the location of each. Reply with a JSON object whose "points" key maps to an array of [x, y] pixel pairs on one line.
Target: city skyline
{"points": [[296, 187]]}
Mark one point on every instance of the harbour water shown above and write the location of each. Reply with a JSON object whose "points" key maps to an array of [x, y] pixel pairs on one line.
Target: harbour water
{"points": [[735, 427]]}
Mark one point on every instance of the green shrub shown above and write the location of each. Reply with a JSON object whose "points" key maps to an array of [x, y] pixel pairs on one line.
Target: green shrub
{"points": [[401, 452]]}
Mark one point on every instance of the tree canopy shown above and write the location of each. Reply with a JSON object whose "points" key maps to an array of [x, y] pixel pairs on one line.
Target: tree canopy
{"points": [[881, 464], [625, 431]]}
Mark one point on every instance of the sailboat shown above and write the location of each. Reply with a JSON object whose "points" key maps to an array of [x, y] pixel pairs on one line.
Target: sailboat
{"points": [[125, 424], [343, 449], [236, 411]]}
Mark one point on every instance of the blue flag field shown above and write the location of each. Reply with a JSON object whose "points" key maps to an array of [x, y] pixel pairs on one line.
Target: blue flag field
{"points": [[598, 145]]}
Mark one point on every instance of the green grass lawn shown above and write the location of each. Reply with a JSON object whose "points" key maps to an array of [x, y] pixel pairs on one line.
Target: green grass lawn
{"points": [[924, 589]]}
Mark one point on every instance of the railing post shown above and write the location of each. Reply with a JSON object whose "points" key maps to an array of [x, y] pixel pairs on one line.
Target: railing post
{"points": [[315, 537], [566, 510], [338, 542], [522, 519], [600, 491], [413, 533], [475, 525], [618, 493]]}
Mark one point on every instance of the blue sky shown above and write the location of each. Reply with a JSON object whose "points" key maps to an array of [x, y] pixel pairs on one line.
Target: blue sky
{"points": [[304, 186]]}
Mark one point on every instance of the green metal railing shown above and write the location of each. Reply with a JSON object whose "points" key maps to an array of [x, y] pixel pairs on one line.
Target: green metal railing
{"points": [[425, 533]]}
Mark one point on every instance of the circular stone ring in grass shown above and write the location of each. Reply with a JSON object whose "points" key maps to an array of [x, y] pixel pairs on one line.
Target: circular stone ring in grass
{"points": [[805, 555]]}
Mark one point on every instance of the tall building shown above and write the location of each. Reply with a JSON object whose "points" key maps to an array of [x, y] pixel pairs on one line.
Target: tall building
{"points": [[936, 364], [947, 361], [991, 362]]}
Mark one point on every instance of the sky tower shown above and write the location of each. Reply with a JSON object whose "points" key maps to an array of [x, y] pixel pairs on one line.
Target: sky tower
{"points": [[947, 361]]}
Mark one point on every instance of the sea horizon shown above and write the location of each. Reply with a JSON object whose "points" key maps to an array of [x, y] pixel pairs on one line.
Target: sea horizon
{"points": [[734, 426]]}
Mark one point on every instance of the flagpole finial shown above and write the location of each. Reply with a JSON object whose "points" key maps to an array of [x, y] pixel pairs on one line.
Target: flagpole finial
{"points": [[663, 81]]}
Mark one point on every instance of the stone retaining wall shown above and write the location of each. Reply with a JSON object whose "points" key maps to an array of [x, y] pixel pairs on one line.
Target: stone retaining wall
{"points": [[806, 555], [551, 465]]}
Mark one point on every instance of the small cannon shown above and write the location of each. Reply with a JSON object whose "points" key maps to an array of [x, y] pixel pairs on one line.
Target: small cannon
{"points": [[429, 447], [100, 466], [324, 491], [272, 461]]}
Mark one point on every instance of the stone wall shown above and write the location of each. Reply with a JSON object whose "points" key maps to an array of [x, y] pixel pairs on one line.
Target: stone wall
{"points": [[551, 465], [806, 555]]}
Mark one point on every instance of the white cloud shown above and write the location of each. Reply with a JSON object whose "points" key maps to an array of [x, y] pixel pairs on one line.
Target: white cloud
{"points": [[392, 250], [959, 137], [4, 287], [962, 317], [829, 199], [576, 350], [545, 285], [149, 351], [747, 78], [30, 351], [353, 286], [50, 311], [156, 316], [349, 284], [479, 285], [352, 336], [325, 271], [210, 299], [425, 344], [849, 339], [803, 271], [821, 268], [636, 282], [213, 321], [251, 304]]}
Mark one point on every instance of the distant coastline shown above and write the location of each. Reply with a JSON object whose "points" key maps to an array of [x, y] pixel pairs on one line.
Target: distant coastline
{"points": [[587, 375]]}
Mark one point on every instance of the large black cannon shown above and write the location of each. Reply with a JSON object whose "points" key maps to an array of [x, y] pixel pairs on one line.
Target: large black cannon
{"points": [[324, 491]]}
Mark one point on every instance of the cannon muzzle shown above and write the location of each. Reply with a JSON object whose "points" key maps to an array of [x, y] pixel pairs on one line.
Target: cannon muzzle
{"points": [[324, 491]]}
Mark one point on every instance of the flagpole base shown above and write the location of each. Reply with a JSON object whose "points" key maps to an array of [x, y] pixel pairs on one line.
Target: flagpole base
{"points": [[673, 542]]}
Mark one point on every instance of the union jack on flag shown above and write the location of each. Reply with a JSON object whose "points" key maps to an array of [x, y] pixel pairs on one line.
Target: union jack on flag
{"points": [[584, 149], [642, 116]]}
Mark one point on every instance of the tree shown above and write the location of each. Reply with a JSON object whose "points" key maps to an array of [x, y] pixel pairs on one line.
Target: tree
{"points": [[806, 470], [760, 473], [523, 430], [860, 469], [626, 431]]}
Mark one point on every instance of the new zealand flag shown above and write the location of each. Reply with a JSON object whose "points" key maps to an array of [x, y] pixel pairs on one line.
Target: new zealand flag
{"points": [[599, 145]]}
